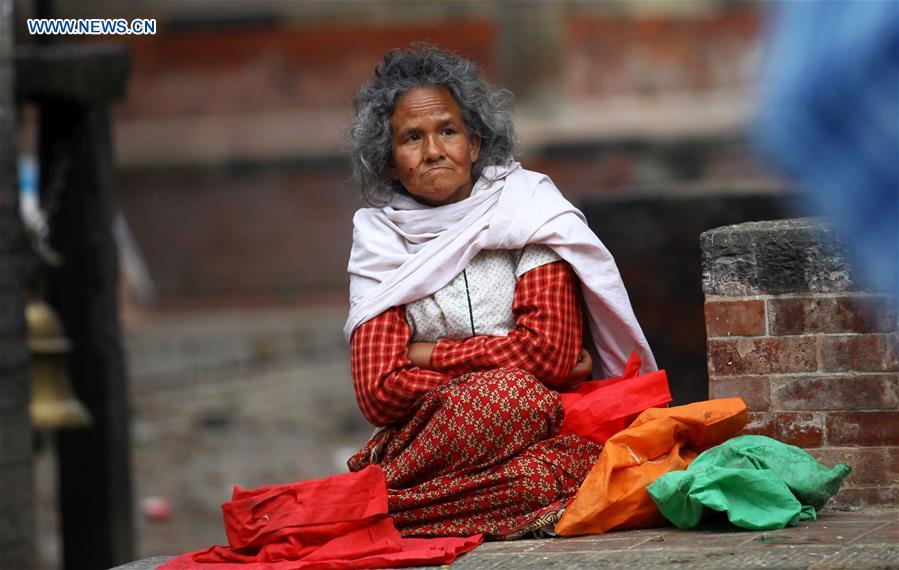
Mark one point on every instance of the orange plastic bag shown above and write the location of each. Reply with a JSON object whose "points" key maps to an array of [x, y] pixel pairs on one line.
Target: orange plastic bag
{"points": [[660, 440], [599, 409]]}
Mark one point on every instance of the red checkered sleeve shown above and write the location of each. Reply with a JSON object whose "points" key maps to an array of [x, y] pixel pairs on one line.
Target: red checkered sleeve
{"points": [[546, 340], [387, 385]]}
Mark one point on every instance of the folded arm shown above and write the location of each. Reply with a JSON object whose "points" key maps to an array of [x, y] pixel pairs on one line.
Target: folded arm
{"points": [[387, 383], [546, 340]]}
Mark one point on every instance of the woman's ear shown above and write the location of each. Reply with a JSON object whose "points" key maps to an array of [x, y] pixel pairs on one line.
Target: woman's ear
{"points": [[474, 147]]}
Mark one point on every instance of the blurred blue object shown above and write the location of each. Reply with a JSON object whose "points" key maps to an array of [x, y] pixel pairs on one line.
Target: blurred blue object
{"points": [[829, 115]]}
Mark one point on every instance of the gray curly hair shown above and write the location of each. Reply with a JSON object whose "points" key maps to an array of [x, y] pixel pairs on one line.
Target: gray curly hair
{"points": [[485, 110]]}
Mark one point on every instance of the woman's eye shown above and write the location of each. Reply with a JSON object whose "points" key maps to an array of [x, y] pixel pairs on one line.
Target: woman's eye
{"points": [[449, 131], [413, 137]]}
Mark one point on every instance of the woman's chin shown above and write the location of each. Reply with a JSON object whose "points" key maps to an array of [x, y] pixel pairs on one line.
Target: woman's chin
{"points": [[441, 195]]}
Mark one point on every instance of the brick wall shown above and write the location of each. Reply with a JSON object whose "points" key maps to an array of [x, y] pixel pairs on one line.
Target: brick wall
{"points": [[813, 352], [16, 497]]}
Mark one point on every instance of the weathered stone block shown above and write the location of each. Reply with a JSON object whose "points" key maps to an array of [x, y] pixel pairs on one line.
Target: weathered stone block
{"points": [[803, 429], [755, 390], [728, 357], [839, 392], [859, 314], [775, 257], [801, 256], [862, 353], [728, 263], [735, 318], [863, 428]]}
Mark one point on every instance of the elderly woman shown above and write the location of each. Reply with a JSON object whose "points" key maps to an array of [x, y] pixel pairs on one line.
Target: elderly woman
{"points": [[467, 281]]}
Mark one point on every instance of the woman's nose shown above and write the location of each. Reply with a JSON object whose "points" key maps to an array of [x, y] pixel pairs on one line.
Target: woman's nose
{"points": [[433, 148]]}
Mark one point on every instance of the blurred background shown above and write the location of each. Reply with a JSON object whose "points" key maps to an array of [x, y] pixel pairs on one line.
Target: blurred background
{"points": [[233, 210]]}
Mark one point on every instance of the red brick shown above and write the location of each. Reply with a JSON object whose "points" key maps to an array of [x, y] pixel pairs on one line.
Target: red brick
{"points": [[870, 465], [735, 318], [802, 429], [730, 357], [860, 314], [855, 392], [862, 497], [863, 428], [754, 390], [862, 353]]}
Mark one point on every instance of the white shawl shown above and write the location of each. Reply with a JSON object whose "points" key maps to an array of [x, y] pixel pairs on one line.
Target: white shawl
{"points": [[407, 250]]}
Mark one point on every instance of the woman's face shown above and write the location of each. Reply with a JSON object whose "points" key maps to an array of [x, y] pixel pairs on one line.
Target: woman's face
{"points": [[432, 151]]}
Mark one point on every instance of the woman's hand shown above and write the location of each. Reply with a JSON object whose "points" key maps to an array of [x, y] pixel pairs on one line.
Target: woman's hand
{"points": [[580, 372], [420, 354]]}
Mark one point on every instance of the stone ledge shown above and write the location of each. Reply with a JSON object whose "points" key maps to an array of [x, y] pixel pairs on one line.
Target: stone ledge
{"points": [[836, 539], [776, 257]]}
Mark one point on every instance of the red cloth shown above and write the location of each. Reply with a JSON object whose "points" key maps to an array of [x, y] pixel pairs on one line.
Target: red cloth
{"points": [[338, 522], [546, 342], [481, 454], [599, 409]]}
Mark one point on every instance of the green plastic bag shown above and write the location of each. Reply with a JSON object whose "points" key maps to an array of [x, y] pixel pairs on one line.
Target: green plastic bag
{"points": [[761, 484]]}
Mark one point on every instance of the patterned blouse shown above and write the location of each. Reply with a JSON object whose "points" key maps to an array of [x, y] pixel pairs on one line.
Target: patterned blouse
{"points": [[474, 329]]}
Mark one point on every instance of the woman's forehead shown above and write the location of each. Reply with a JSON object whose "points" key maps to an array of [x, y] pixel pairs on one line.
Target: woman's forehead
{"points": [[431, 102]]}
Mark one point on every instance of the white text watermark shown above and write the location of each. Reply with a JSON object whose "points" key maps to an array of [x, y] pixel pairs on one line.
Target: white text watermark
{"points": [[91, 26]]}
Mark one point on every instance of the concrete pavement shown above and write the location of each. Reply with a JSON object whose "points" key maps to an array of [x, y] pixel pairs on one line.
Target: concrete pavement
{"points": [[835, 540]]}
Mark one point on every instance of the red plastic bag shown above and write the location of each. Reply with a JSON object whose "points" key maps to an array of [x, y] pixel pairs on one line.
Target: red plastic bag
{"points": [[336, 523], [599, 409]]}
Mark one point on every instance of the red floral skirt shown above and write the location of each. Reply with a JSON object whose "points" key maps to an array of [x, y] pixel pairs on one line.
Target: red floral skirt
{"points": [[480, 455]]}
